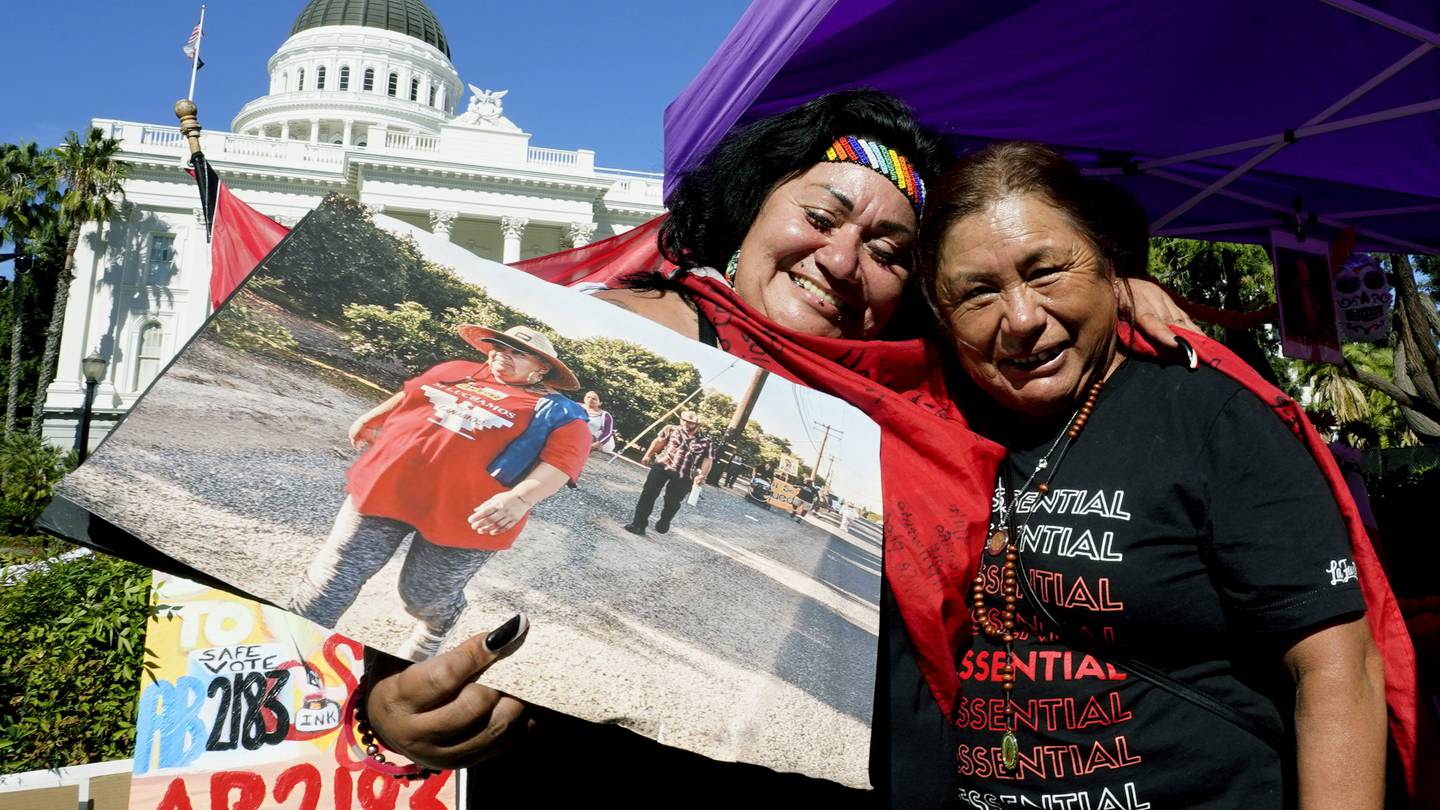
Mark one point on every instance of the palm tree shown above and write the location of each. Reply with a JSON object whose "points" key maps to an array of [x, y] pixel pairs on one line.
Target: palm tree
{"points": [[1363, 415], [27, 190], [91, 178]]}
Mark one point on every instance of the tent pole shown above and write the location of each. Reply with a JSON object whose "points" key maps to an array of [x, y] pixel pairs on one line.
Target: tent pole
{"points": [[1387, 212], [1311, 128], [1375, 81], [1286, 211], [1418, 108], [1345, 216], [1253, 143], [1384, 20], [1315, 125], [1205, 193], [1272, 222]]}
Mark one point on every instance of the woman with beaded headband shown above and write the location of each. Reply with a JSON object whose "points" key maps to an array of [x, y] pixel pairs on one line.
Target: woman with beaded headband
{"points": [[793, 245], [807, 219]]}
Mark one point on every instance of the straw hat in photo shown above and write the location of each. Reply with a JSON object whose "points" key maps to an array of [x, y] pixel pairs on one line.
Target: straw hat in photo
{"points": [[526, 340]]}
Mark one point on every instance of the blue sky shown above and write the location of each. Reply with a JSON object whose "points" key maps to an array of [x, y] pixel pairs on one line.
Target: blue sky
{"points": [[580, 74]]}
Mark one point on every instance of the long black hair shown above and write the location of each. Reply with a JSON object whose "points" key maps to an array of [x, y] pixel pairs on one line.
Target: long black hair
{"points": [[716, 201]]}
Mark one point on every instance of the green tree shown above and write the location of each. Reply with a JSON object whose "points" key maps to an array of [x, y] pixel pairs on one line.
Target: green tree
{"points": [[27, 192], [408, 338], [71, 638], [1382, 395], [347, 260], [715, 410], [406, 332], [1415, 384], [29, 471], [636, 384], [1362, 416], [1226, 276], [90, 179]]}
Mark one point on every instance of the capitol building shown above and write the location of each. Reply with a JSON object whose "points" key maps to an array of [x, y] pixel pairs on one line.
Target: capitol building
{"points": [[363, 100]]}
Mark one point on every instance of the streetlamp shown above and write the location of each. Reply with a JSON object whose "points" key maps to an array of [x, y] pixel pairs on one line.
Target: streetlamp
{"points": [[93, 367]]}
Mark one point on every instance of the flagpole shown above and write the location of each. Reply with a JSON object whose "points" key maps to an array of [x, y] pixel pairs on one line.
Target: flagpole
{"points": [[195, 62]]}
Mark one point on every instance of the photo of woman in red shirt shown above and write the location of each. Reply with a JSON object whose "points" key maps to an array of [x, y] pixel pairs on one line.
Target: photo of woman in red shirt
{"points": [[455, 461]]}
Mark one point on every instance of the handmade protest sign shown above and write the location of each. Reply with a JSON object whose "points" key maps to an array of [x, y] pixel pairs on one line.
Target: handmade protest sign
{"points": [[240, 706]]}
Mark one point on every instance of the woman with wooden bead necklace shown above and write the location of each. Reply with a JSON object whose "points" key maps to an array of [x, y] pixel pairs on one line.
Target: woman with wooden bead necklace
{"points": [[1158, 618]]}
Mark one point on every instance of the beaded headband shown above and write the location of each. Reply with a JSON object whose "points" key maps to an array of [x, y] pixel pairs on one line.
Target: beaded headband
{"points": [[895, 166]]}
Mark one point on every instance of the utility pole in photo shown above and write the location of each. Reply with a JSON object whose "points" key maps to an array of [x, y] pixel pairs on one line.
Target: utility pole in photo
{"points": [[737, 422], [820, 456]]}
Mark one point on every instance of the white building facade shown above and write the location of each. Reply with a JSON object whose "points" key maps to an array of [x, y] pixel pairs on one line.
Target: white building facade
{"points": [[363, 100]]}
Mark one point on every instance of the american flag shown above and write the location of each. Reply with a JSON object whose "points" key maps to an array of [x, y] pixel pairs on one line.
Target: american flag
{"points": [[192, 43]]}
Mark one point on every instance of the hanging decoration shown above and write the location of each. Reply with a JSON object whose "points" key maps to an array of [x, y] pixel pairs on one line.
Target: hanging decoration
{"points": [[1362, 293], [1309, 323]]}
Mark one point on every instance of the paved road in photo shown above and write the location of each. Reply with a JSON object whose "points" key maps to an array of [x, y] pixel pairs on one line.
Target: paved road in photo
{"points": [[740, 633]]}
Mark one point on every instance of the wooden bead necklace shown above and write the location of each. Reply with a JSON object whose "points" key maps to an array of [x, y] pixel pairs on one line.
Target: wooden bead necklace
{"points": [[1004, 539]]}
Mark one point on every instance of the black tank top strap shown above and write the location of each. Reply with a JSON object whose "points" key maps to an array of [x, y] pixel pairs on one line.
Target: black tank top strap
{"points": [[707, 333]]}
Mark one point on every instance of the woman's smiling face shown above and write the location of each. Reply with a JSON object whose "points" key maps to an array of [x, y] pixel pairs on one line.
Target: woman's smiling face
{"points": [[1030, 304], [829, 252]]}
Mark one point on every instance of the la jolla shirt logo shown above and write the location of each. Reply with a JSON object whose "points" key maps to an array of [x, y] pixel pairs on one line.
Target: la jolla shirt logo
{"points": [[1341, 571]]}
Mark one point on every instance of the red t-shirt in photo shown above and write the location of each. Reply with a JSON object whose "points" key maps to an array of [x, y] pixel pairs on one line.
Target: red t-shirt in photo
{"points": [[428, 466]]}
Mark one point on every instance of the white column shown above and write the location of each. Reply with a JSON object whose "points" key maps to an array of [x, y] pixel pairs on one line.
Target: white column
{"points": [[512, 228], [314, 130], [285, 130], [349, 132], [441, 222], [578, 234]]}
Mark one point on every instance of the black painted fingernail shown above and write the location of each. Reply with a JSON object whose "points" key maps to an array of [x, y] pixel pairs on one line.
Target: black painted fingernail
{"points": [[504, 634]]}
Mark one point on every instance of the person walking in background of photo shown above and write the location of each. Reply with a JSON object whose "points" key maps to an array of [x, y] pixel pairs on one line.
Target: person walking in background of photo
{"points": [[732, 469], [455, 461], [805, 499], [682, 456], [847, 517], [602, 424]]}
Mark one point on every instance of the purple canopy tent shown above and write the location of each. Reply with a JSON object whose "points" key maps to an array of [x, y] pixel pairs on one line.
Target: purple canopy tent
{"points": [[1226, 117]]}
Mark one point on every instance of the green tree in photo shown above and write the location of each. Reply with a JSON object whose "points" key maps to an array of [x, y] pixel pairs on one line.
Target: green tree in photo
{"points": [[636, 384]]}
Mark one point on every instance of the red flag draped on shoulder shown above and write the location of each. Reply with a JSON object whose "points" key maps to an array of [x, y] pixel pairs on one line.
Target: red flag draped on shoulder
{"points": [[239, 235]]}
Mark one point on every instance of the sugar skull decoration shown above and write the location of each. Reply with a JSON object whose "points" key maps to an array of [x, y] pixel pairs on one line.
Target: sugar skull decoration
{"points": [[1362, 293]]}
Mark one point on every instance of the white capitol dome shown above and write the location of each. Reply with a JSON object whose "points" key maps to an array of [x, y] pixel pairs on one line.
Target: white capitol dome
{"points": [[351, 67], [363, 100]]}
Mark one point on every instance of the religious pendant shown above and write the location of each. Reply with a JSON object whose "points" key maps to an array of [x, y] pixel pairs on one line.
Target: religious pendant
{"points": [[1009, 751], [997, 541]]}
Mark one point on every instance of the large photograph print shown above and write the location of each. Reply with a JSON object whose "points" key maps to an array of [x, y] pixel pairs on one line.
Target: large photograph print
{"points": [[396, 439]]}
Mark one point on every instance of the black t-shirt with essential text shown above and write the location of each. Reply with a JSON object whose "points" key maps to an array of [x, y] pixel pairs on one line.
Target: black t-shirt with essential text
{"points": [[1185, 527]]}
